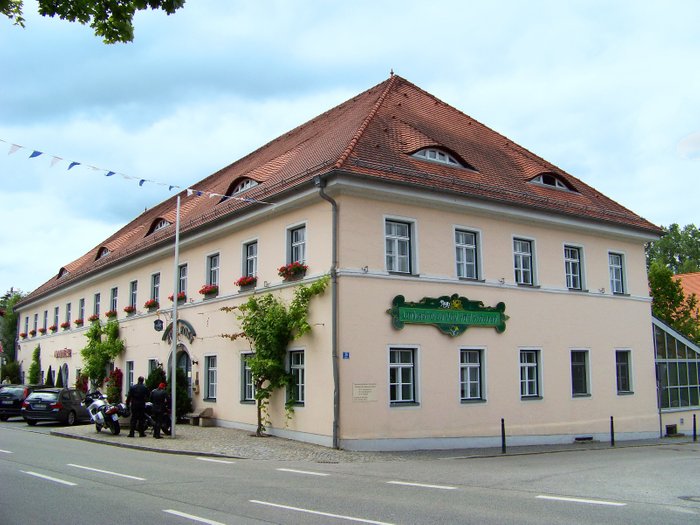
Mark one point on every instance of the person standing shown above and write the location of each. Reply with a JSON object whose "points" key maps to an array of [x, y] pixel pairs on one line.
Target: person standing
{"points": [[159, 399], [136, 400]]}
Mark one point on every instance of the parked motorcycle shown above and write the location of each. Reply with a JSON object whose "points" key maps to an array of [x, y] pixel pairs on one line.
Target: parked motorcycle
{"points": [[150, 423], [105, 414]]}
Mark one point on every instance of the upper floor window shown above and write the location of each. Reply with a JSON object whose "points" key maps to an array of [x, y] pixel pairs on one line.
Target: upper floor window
{"points": [[81, 308], [616, 262], [55, 316], [466, 254], [182, 279], [572, 267], [437, 155], [553, 180], [68, 312], [398, 246], [250, 259], [113, 298], [213, 269], [523, 261], [96, 304], [296, 239], [133, 292], [155, 287], [243, 185], [160, 224]]}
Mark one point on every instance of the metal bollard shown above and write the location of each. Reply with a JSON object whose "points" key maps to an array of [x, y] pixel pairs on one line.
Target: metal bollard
{"points": [[503, 436], [612, 432], [695, 429]]}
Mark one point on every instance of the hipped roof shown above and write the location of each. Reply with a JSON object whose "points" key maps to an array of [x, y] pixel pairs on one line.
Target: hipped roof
{"points": [[373, 136]]}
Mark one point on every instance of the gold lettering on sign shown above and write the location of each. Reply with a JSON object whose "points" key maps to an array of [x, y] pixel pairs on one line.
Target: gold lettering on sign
{"points": [[65, 352]]}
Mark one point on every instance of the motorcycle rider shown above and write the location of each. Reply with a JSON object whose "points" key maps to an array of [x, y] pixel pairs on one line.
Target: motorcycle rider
{"points": [[159, 398], [136, 400]]}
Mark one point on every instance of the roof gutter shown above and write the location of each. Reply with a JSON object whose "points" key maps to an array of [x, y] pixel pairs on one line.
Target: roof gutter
{"points": [[320, 183]]}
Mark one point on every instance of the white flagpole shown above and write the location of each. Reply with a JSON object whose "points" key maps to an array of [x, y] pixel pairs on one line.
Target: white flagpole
{"points": [[174, 332]]}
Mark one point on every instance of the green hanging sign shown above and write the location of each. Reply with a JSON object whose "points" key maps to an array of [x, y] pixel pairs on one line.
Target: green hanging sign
{"points": [[451, 315]]}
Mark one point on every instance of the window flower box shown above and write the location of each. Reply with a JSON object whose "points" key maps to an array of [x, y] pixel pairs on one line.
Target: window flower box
{"points": [[65, 325], [181, 297], [129, 309], [32, 333], [23, 335], [79, 322], [151, 304], [246, 282], [42, 331], [209, 290], [292, 271], [94, 318], [110, 314], [53, 328]]}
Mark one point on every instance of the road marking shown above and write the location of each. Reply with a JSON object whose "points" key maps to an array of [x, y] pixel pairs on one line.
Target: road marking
{"points": [[5, 451], [580, 500], [107, 472], [191, 517], [318, 513], [212, 460], [42, 476], [423, 485], [302, 472]]}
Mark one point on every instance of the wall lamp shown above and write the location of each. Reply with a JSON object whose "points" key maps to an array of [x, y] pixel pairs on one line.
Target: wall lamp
{"points": [[194, 362]]}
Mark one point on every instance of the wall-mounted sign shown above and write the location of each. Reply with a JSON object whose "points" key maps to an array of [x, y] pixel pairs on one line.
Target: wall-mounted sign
{"points": [[65, 352], [184, 329], [451, 315]]}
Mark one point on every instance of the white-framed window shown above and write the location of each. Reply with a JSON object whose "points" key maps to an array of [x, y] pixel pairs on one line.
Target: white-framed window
{"points": [[623, 371], [213, 269], [523, 256], [152, 365], [46, 319], [113, 298], [36, 322], [81, 309], [530, 373], [247, 383], [160, 224], [470, 374], [677, 369], [155, 287], [133, 293], [96, 304], [55, 316], [398, 242], [573, 267], [616, 263], [467, 254], [296, 244], [129, 374], [26, 324], [244, 185], [297, 386], [68, 312], [580, 385], [210, 374], [182, 279], [402, 375], [550, 179], [250, 259], [436, 155]]}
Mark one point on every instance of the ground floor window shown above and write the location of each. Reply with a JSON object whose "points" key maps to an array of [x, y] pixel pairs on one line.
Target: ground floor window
{"points": [[247, 384], [210, 374], [530, 373], [470, 375], [298, 384], [402, 368], [129, 374], [623, 359], [579, 373]]}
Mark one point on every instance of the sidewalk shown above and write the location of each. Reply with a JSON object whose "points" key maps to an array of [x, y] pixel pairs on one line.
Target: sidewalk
{"points": [[232, 443]]}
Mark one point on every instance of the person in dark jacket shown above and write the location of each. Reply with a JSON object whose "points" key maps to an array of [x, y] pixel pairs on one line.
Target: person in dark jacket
{"points": [[159, 399], [136, 400]]}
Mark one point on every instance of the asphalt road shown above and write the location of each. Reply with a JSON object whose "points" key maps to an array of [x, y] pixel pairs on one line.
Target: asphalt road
{"points": [[47, 479]]}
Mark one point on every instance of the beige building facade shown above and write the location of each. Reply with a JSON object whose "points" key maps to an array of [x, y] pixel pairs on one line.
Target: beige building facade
{"points": [[472, 283]]}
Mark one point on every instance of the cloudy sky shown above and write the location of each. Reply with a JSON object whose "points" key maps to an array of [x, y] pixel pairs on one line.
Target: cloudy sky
{"points": [[608, 91]]}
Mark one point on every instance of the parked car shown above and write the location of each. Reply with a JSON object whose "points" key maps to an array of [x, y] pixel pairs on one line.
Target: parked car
{"points": [[11, 397], [55, 404]]}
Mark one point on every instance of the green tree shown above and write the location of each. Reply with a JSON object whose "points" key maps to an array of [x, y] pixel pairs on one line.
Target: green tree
{"points": [[59, 379], [102, 348], [35, 368], [113, 386], [112, 20], [155, 378], [11, 372], [678, 249], [49, 377], [671, 305], [271, 326], [8, 323], [183, 403]]}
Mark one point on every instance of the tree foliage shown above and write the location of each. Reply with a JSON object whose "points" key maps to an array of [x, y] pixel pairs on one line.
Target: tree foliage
{"points": [[271, 326], [34, 374], [671, 305], [679, 249], [112, 20], [49, 377], [102, 348], [8, 323], [183, 402], [11, 372]]}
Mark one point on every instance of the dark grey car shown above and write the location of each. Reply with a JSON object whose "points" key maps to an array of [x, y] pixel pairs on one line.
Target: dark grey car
{"points": [[55, 404], [11, 397]]}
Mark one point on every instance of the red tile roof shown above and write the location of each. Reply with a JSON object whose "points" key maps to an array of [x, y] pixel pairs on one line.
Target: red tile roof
{"points": [[373, 136], [690, 283]]}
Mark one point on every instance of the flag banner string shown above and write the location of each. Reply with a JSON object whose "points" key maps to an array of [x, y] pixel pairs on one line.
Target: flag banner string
{"points": [[14, 148]]}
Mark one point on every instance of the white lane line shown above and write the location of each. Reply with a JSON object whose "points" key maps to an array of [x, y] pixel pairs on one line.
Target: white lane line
{"points": [[581, 500], [302, 472], [5, 451], [423, 485], [107, 472], [193, 518], [318, 513], [42, 476], [212, 460]]}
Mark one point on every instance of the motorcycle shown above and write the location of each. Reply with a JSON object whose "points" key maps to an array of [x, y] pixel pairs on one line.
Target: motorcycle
{"points": [[150, 422], [105, 414]]}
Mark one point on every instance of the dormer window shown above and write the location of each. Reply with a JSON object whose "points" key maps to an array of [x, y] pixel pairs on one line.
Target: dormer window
{"points": [[553, 180], [436, 155], [102, 253], [62, 272], [244, 185], [160, 224]]}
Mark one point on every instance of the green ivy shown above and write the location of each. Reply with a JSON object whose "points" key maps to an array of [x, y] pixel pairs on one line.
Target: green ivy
{"points": [[102, 348], [271, 326]]}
